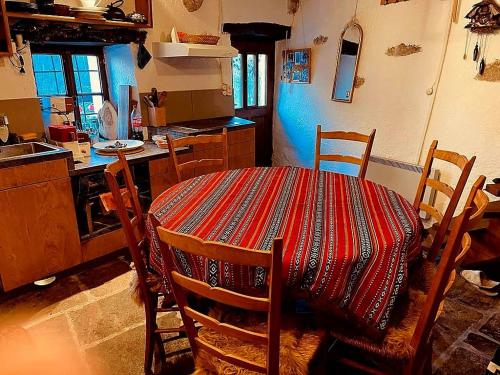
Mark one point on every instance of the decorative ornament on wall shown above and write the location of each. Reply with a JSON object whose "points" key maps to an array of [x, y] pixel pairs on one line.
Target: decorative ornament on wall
{"points": [[192, 5], [320, 39], [403, 50], [293, 6], [484, 20], [358, 82], [387, 2], [491, 72], [297, 66]]}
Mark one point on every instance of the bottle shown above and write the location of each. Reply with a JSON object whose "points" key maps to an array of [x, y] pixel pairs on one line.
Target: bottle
{"points": [[136, 121]]}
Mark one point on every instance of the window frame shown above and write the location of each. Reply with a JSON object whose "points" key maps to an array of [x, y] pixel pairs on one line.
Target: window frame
{"points": [[66, 52]]}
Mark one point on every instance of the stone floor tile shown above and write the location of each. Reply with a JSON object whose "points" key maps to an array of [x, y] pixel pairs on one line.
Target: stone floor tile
{"points": [[106, 279], [492, 327], [105, 317], [481, 343], [41, 303], [453, 322], [463, 362]]}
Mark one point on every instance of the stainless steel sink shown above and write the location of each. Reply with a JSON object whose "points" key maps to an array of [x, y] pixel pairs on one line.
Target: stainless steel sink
{"points": [[26, 149], [28, 152]]}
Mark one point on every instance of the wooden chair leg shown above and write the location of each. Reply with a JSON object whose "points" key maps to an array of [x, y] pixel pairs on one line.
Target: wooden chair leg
{"points": [[151, 339]]}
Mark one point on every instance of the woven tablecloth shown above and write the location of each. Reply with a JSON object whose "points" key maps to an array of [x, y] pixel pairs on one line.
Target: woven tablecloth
{"points": [[347, 241]]}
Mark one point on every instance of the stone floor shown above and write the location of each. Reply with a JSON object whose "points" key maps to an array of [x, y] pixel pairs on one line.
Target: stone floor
{"points": [[91, 323]]}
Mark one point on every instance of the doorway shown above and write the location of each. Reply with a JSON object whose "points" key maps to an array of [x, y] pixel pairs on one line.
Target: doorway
{"points": [[253, 87]]}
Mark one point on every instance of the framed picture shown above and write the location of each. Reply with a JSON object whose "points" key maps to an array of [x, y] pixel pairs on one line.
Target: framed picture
{"points": [[297, 66]]}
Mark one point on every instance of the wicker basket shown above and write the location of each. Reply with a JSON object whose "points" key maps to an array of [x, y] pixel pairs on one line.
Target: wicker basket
{"points": [[198, 39]]}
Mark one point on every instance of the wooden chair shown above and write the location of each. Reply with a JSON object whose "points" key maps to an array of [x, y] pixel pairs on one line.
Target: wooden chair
{"points": [[347, 136], [407, 346], [133, 224], [224, 340], [438, 234], [222, 162]]}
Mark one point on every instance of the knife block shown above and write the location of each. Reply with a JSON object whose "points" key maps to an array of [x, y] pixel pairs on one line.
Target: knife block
{"points": [[157, 116]]}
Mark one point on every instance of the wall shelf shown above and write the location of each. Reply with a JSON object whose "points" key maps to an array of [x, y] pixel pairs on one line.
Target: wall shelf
{"points": [[162, 49], [67, 19]]}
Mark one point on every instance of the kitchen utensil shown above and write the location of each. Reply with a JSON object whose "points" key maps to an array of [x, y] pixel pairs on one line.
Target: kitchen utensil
{"points": [[120, 145], [148, 102], [114, 12], [108, 119], [157, 116], [154, 96], [15, 6], [161, 99]]}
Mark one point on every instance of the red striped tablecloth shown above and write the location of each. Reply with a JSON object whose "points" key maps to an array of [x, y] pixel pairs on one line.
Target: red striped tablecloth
{"points": [[347, 241]]}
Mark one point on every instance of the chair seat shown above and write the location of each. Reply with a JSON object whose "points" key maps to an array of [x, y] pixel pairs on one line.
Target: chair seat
{"points": [[298, 347], [108, 202], [396, 342]]}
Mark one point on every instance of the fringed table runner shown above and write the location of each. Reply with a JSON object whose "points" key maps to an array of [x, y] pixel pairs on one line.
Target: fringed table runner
{"points": [[347, 241]]}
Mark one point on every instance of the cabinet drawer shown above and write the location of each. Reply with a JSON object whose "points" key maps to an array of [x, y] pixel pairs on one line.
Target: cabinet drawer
{"points": [[33, 173], [240, 136]]}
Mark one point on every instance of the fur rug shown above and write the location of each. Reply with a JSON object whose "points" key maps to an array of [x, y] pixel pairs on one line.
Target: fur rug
{"points": [[297, 346]]}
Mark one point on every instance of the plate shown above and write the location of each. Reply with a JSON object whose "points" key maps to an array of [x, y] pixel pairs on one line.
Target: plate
{"points": [[130, 144], [89, 9], [108, 120]]}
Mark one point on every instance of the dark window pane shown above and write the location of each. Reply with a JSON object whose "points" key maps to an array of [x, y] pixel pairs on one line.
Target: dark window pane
{"points": [[87, 76], [238, 81], [251, 80]]}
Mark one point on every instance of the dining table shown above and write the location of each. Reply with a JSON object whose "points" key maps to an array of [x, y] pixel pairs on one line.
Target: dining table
{"points": [[347, 241]]}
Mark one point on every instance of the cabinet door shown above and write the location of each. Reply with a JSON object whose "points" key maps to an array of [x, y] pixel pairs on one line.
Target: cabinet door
{"points": [[39, 232], [5, 44]]}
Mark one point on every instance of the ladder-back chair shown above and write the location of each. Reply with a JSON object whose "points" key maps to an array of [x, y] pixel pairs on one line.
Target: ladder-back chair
{"points": [[443, 220], [346, 136], [125, 202], [221, 163]]}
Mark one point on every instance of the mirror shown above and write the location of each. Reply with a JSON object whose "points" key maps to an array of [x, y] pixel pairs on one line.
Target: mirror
{"points": [[347, 62]]}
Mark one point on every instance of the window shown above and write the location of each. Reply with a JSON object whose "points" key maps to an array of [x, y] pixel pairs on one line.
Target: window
{"points": [[75, 72], [250, 80]]}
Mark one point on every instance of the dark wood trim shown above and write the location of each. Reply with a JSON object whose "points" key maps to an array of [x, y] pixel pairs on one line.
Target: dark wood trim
{"points": [[257, 31], [5, 31]]}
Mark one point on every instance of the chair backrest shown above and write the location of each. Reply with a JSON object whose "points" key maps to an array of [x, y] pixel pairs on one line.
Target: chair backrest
{"points": [[452, 193], [133, 223], [479, 201], [236, 255], [456, 248], [201, 163], [346, 136]]}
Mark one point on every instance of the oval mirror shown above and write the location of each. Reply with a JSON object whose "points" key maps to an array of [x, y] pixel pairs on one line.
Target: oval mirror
{"points": [[347, 62]]}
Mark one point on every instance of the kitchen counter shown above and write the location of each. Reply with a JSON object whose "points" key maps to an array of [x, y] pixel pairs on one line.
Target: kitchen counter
{"points": [[97, 162]]}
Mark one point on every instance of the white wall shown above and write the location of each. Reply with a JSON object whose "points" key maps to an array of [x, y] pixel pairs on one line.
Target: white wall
{"points": [[393, 100], [13, 84]]}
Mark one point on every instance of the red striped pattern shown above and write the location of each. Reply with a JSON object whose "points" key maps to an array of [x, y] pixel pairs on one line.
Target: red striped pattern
{"points": [[347, 241]]}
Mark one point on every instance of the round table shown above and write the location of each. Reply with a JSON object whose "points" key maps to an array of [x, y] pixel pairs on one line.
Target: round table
{"points": [[347, 241]]}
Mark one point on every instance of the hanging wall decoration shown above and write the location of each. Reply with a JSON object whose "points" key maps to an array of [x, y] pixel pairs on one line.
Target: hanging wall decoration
{"points": [[484, 20], [293, 6], [192, 5], [403, 50], [320, 39], [297, 65]]}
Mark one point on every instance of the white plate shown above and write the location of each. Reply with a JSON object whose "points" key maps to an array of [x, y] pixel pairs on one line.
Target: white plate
{"points": [[89, 9], [108, 120], [131, 144]]}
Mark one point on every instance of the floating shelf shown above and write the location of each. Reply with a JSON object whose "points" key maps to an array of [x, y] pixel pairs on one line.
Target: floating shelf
{"points": [[161, 49], [67, 19]]}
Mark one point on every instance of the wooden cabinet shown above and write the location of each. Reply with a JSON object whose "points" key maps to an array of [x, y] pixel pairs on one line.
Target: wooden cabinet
{"points": [[39, 231], [5, 44], [162, 173], [241, 148]]}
